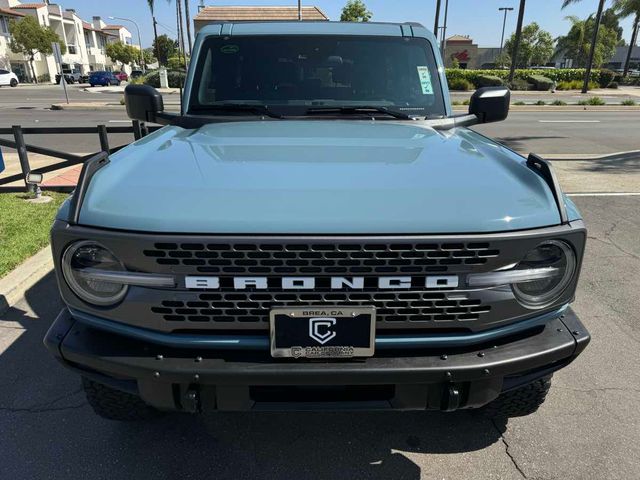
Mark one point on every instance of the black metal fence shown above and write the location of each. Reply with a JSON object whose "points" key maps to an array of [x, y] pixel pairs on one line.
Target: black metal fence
{"points": [[137, 128]]}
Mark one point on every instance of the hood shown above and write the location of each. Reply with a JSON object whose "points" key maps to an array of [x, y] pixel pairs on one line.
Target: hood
{"points": [[317, 177]]}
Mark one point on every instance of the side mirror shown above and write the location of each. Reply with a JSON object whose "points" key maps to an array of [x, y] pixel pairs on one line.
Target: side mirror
{"points": [[143, 102], [490, 104]]}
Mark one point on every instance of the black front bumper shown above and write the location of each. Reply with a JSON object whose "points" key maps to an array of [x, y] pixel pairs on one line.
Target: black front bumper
{"points": [[447, 379]]}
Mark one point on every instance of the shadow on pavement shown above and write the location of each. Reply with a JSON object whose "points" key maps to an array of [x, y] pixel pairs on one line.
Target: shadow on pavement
{"points": [[522, 143], [48, 430]]}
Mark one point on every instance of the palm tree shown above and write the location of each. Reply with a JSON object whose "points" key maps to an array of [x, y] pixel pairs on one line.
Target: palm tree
{"points": [[594, 40], [626, 8], [187, 18], [516, 42], [151, 4]]}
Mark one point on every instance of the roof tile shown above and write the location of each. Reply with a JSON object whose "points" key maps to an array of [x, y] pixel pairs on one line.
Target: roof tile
{"points": [[261, 14]]}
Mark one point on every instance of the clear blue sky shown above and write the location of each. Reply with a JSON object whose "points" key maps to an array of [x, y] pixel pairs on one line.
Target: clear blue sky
{"points": [[478, 18]]}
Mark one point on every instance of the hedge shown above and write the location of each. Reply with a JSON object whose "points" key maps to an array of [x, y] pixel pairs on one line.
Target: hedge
{"points": [[488, 81], [176, 79], [541, 82], [557, 75]]}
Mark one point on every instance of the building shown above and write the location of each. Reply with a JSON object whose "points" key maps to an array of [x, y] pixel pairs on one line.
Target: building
{"points": [[217, 14], [86, 42], [462, 49], [620, 57]]}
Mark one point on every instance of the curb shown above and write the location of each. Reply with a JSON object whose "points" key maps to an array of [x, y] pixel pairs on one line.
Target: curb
{"points": [[14, 285]]}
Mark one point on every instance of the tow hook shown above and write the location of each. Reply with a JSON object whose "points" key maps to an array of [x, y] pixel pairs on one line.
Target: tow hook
{"points": [[451, 398], [191, 401]]}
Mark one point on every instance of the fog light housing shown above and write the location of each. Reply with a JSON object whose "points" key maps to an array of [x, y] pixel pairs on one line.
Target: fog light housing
{"points": [[540, 293], [87, 256]]}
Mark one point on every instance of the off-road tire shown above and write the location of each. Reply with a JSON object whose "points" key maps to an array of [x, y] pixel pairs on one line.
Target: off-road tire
{"points": [[116, 405], [519, 402]]}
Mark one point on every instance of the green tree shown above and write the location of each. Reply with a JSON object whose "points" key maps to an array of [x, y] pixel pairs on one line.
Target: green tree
{"points": [[152, 8], [29, 38], [576, 44], [355, 11], [503, 60], [121, 52], [165, 48], [536, 46], [627, 8], [148, 56]]}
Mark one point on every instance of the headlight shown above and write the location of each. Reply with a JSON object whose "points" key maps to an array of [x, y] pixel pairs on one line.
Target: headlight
{"points": [[553, 256], [83, 257]]}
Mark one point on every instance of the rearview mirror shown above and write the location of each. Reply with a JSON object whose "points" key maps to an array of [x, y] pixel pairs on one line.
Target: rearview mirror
{"points": [[143, 102], [490, 104]]}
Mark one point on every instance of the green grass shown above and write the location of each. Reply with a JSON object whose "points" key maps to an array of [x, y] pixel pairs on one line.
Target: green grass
{"points": [[592, 101], [24, 227], [559, 102], [519, 102], [629, 103]]}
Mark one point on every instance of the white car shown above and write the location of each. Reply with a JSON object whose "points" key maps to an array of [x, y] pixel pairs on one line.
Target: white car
{"points": [[8, 78]]}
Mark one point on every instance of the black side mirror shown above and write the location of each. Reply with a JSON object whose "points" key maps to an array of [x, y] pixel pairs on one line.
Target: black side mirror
{"points": [[143, 102], [490, 104]]}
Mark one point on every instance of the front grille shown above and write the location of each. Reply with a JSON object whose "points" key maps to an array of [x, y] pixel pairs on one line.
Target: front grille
{"points": [[391, 307], [318, 259]]}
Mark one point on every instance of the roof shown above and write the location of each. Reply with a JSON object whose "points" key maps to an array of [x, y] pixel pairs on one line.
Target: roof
{"points": [[113, 27], [257, 13], [459, 38], [30, 6], [8, 11]]}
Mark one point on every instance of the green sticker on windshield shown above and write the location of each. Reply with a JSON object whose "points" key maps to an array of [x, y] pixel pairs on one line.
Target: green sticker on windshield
{"points": [[230, 49], [425, 80]]}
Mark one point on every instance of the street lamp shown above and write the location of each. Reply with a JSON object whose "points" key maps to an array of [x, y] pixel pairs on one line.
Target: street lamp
{"points": [[139, 40], [504, 23]]}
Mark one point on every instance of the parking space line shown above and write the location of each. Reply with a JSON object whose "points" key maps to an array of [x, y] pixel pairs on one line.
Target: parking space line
{"points": [[569, 121]]}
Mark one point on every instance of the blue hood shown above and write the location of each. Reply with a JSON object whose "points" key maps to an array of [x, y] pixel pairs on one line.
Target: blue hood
{"points": [[317, 177]]}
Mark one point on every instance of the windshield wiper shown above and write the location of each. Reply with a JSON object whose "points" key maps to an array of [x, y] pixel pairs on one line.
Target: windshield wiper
{"points": [[240, 107], [355, 109]]}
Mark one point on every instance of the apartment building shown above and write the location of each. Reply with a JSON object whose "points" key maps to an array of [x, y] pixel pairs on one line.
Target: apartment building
{"points": [[86, 41]]}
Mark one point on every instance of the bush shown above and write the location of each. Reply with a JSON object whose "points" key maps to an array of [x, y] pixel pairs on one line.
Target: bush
{"points": [[176, 79], [460, 84], [592, 101], [613, 85], [557, 75], [540, 102], [540, 82], [575, 85], [606, 77], [629, 103], [519, 84], [558, 102], [487, 81], [519, 102], [44, 78]]}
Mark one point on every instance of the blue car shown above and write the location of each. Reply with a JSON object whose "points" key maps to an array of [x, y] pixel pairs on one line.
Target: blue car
{"points": [[103, 78]]}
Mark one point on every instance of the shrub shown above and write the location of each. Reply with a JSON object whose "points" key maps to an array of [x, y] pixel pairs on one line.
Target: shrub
{"points": [[559, 102], [541, 82], [629, 102], [557, 75], [575, 85], [592, 101], [613, 85], [519, 102], [176, 79], [519, 84], [606, 77], [487, 81], [460, 84], [540, 102], [44, 78]]}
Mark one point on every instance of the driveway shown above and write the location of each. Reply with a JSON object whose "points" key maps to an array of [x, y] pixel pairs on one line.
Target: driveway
{"points": [[589, 427]]}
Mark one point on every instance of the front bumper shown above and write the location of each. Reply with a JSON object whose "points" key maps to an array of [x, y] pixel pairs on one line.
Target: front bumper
{"points": [[444, 378]]}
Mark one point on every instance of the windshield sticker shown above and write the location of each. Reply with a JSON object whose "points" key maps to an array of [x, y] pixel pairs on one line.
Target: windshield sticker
{"points": [[425, 80], [230, 49]]}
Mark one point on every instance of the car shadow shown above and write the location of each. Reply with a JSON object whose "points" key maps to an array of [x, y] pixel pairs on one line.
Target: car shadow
{"points": [[49, 431], [522, 143]]}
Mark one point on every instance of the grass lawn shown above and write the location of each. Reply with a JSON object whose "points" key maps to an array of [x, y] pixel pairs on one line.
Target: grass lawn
{"points": [[24, 227]]}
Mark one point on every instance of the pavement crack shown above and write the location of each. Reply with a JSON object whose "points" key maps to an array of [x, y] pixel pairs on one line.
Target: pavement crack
{"points": [[47, 406], [507, 450]]}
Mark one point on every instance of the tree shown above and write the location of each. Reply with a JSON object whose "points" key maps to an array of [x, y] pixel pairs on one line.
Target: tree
{"points": [[576, 44], [355, 11], [148, 56], [121, 52], [165, 48], [626, 8], [516, 41], [152, 5], [502, 60], [536, 46], [29, 38]]}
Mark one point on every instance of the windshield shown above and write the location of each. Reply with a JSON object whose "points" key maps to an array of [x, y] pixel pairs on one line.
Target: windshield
{"points": [[290, 74]]}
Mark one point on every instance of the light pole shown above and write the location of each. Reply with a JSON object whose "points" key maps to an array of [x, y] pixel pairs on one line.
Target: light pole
{"points": [[139, 39], [504, 23], [443, 43], [299, 10]]}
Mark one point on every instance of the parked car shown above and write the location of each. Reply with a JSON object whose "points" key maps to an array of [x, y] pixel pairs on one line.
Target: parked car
{"points": [[8, 78], [72, 76], [317, 229], [136, 74], [103, 78], [122, 76]]}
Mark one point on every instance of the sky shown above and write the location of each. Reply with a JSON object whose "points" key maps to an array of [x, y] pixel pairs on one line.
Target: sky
{"points": [[479, 19]]}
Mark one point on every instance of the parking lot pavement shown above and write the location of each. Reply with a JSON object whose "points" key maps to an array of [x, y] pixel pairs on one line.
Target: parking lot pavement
{"points": [[589, 427]]}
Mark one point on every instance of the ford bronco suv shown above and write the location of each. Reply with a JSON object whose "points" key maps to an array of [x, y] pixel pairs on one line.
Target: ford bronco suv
{"points": [[316, 229]]}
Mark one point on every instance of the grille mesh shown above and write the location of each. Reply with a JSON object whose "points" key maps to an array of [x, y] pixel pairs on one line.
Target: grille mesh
{"points": [[391, 307], [304, 258]]}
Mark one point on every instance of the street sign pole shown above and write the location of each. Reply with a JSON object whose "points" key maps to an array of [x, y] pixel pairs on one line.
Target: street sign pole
{"points": [[57, 54]]}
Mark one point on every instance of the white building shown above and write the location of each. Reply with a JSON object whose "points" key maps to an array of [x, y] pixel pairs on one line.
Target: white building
{"points": [[86, 42]]}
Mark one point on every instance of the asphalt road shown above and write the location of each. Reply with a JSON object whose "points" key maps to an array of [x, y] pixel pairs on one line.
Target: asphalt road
{"points": [[589, 428], [553, 132]]}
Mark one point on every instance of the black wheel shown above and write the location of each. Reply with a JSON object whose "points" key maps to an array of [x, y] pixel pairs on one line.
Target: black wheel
{"points": [[92, 85], [116, 405], [519, 402], [13, 82]]}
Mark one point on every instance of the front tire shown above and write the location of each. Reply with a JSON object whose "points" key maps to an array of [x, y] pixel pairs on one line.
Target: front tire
{"points": [[113, 404], [520, 402], [13, 83]]}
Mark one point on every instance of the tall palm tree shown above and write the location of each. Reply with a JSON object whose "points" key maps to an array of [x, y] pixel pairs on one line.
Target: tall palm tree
{"points": [[187, 18], [516, 42], [626, 8], [594, 41], [152, 5]]}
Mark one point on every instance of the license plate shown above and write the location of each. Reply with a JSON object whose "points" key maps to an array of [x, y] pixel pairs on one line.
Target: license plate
{"points": [[323, 332]]}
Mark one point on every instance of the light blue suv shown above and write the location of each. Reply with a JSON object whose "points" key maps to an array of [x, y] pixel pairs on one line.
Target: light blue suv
{"points": [[316, 229]]}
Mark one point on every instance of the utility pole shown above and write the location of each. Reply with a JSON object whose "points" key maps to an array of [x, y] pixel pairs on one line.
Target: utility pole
{"points": [[443, 43], [299, 10], [634, 37], [516, 45], [594, 40], [504, 24], [435, 25], [187, 18]]}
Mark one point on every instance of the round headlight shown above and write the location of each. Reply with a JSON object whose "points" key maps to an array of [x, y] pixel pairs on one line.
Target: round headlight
{"points": [[78, 260], [540, 293]]}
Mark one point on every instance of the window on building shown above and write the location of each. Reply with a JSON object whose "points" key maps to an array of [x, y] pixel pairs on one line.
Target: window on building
{"points": [[4, 26], [87, 39]]}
